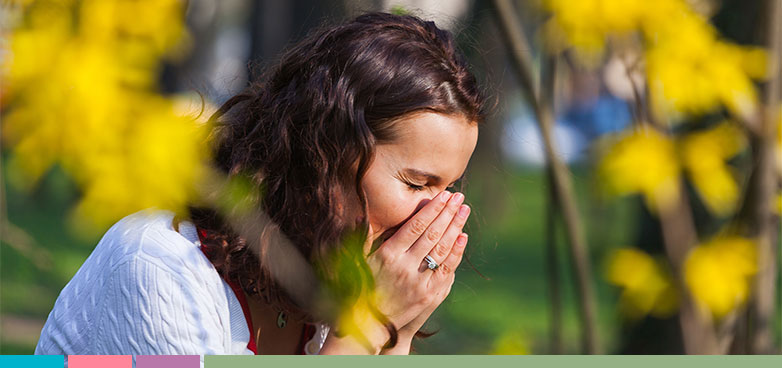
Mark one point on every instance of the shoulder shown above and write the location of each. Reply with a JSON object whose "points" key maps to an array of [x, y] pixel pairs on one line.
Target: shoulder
{"points": [[148, 245], [149, 236], [145, 289], [164, 294]]}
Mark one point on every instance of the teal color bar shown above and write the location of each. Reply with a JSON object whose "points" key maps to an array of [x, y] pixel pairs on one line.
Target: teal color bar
{"points": [[496, 361], [32, 361]]}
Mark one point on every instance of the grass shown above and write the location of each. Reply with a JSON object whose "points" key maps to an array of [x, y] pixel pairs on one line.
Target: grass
{"points": [[507, 246]]}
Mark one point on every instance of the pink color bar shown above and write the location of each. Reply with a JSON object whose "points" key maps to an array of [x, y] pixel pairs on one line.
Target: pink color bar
{"points": [[99, 361]]}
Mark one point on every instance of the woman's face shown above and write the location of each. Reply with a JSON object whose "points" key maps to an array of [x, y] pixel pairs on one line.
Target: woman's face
{"points": [[430, 153]]}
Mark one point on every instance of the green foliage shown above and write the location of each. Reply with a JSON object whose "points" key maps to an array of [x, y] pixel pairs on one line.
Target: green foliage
{"points": [[399, 10]]}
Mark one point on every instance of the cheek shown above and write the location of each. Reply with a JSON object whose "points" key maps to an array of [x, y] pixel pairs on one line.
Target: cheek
{"points": [[390, 207]]}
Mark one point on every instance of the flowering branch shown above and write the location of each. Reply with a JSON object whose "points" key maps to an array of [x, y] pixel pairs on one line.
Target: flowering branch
{"points": [[755, 218]]}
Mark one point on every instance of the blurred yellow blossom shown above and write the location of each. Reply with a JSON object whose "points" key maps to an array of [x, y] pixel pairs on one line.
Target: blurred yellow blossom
{"points": [[354, 320], [351, 297], [703, 156], [80, 91], [149, 171], [589, 24], [511, 342], [689, 69], [695, 73], [642, 161], [647, 287], [586, 24], [719, 273]]}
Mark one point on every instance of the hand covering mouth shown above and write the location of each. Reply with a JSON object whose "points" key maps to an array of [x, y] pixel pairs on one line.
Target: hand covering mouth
{"points": [[382, 238]]}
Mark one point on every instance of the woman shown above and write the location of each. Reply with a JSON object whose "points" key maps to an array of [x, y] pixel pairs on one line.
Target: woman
{"points": [[359, 129]]}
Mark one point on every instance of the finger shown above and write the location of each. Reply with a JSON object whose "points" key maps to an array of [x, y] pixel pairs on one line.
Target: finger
{"points": [[413, 228], [443, 247], [436, 229], [455, 258]]}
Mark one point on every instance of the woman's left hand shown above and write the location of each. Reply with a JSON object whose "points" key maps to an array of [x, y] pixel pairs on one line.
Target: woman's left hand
{"points": [[407, 332]]}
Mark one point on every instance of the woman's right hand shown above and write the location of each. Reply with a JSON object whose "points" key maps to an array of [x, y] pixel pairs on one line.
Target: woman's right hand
{"points": [[405, 288]]}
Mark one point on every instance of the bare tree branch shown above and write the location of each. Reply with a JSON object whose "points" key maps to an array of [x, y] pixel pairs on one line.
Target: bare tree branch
{"points": [[520, 52], [756, 218], [679, 236]]}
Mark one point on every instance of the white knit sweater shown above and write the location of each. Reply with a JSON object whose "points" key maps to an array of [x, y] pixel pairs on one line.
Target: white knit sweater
{"points": [[147, 289]]}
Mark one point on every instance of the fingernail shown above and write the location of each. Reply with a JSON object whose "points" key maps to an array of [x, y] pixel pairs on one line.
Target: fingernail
{"points": [[462, 239], [444, 196], [464, 210], [458, 197]]}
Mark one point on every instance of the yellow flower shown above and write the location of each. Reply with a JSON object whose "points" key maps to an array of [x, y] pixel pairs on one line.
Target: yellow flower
{"points": [[350, 295], [719, 273], [356, 319], [642, 161], [589, 24], [703, 156], [147, 169], [586, 24], [691, 71], [511, 342], [647, 287], [157, 22], [80, 93]]}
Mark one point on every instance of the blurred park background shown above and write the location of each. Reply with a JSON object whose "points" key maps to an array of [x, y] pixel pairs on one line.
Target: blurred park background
{"points": [[625, 189]]}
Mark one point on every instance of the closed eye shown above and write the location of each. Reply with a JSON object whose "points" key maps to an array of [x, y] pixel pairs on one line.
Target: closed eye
{"points": [[418, 188], [431, 179], [415, 187]]}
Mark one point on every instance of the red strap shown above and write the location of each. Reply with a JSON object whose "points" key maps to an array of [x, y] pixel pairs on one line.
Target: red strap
{"points": [[307, 334]]}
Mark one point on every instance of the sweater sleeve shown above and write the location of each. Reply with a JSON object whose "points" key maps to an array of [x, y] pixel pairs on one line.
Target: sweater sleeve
{"points": [[150, 309]]}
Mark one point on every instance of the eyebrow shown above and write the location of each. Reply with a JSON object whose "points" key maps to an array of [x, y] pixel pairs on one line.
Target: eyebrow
{"points": [[428, 175]]}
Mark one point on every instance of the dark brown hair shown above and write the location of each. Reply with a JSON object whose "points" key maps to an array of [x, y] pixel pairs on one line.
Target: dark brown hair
{"points": [[305, 133]]}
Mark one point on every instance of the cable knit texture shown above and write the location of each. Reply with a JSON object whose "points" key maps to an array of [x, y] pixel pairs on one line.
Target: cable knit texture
{"points": [[147, 289]]}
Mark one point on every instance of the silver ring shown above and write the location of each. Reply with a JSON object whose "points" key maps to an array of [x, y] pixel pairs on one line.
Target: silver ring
{"points": [[431, 264]]}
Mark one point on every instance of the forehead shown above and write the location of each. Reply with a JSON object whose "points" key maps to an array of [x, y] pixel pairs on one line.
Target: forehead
{"points": [[437, 143]]}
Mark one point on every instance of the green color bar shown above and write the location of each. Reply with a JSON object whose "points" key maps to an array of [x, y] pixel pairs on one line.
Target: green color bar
{"points": [[496, 361]]}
